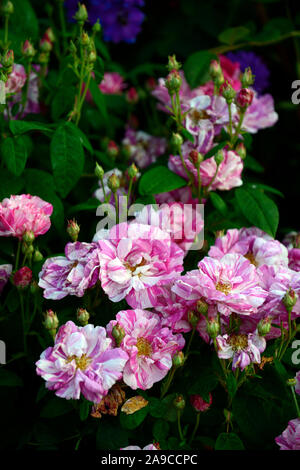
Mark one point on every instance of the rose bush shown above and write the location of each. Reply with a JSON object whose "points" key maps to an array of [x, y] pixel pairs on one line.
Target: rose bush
{"points": [[149, 294]]}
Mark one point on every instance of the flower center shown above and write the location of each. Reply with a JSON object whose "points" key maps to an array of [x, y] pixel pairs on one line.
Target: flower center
{"points": [[133, 268], [224, 287], [238, 342], [144, 347], [197, 115], [250, 256], [81, 362]]}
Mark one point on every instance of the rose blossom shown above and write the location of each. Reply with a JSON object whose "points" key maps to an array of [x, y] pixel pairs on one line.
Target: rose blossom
{"points": [[181, 221], [260, 114], [143, 148], [290, 438], [71, 274], [5, 272], [148, 447], [16, 79], [228, 175], [292, 242], [112, 83], [243, 349], [135, 260], [82, 360], [23, 277], [259, 250], [230, 283], [149, 345], [199, 404], [24, 213]]}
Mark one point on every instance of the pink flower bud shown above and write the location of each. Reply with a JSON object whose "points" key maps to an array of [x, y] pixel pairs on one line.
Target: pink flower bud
{"points": [[45, 44], [23, 277], [199, 404], [73, 229], [28, 49], [244, 98], [112, 149], [132, 95]]}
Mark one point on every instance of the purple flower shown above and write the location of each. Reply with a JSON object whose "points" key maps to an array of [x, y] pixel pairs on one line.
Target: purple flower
{"points": [[71, 274], [82, 360], [243, 349], [120, 19], [258, 68], [143, 148], [5, 272], [260, 115], [290, 438]]}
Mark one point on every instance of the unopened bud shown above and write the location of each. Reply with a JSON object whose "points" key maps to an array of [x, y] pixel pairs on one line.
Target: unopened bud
{"points": [[85, 40], [7, 8], [179, 402], [112, 149], [28, 50], [49, 34], [228, 93], [202, 307], [113, 182], [241, 150], [73, 230], [196, 157], [99, 172], [83, 316], [247, 78], [264, 326], [27, 249], [193, 318], [81, 15], [45, 45], [37, 256], [97, 27], [51, 322], [132, 95], [7, 60], [92, 57], [34, 288], [28, 237], [173, 64], [23, 277], [292, 382], [176, 140], [212, 328], [178, 359], [199, 404], [219, 157], [290, 299], [43, 58], [215, 69], [219, 80], [132, 171], [118, 334], [173, 82], [244, 98]]}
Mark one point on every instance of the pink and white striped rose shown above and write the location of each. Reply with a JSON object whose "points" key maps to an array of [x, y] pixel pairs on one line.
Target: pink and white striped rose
{"points": [[82, 361], [149, 346], [135, 260]]}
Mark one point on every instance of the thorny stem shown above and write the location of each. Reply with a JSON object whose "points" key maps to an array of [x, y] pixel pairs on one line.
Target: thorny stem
{"points": [[195, 428], [179, 425]]}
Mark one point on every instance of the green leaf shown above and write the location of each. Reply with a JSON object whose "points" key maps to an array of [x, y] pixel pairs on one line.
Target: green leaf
{"points": [[265, 188], [40, 183], [9, 184], [196, 68], [110, 436], [215, 149], [9, 379], [90, 205], [160, 430], [67, 158], [14, 153], [253, 164], [258, 208], [218, 203], [160, 180], [99, 99], [205, 382], [233, 35], [231, 384], [63, 101], [134, 420], [21, 127], [84, 409], [229, 441], [281, 370], [24, 22], [157, 408], [56, 407]]}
